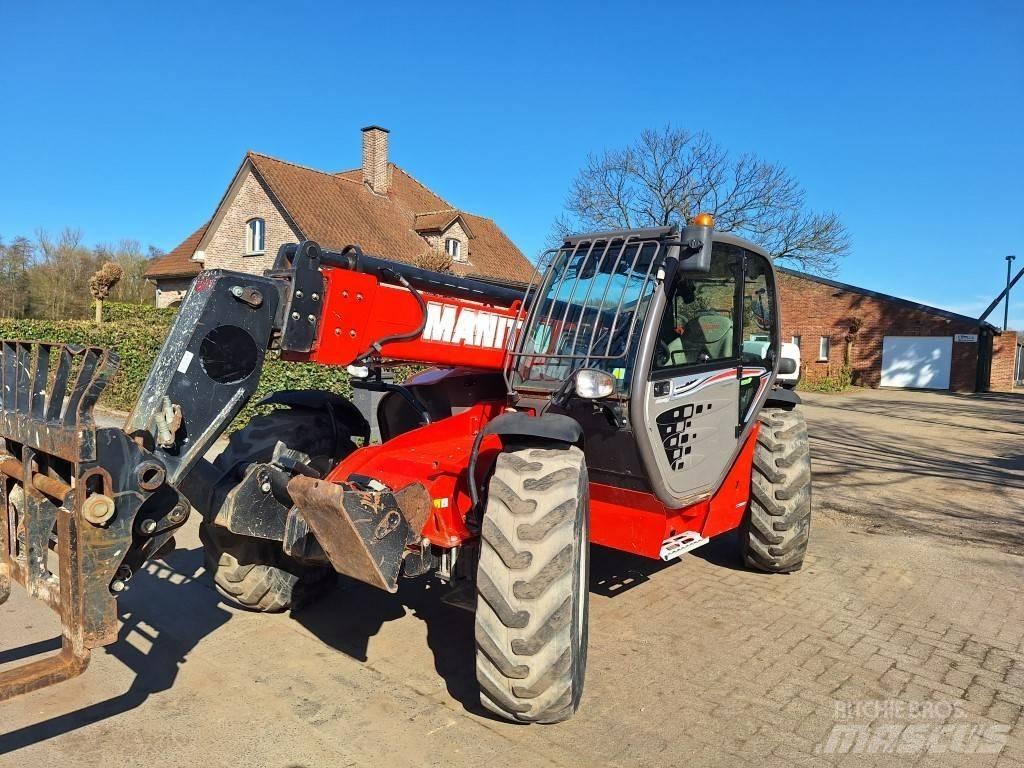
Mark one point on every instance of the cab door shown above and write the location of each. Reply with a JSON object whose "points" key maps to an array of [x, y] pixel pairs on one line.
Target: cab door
{"points": [[701, 382]]}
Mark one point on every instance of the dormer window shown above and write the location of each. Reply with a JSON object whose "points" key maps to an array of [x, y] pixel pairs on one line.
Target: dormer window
{"points": [[255, 236], [453, 248]]}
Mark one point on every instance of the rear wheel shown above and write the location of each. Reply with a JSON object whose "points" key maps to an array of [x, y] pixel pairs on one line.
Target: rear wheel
{"points": [[777, 524], [532, 585], [253, 573]]}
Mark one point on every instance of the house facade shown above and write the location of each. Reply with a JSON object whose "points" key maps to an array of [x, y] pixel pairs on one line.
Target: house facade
{"points": [[377, 206], [891, 342]]}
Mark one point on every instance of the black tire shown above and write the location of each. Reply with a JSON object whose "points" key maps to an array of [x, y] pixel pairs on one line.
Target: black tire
{"points": [[532, 585], [252, 573], [256, 574], [777, 524]]}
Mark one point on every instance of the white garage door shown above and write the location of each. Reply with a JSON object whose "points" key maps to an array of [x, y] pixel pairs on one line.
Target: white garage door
{"points": [[916, 362]]}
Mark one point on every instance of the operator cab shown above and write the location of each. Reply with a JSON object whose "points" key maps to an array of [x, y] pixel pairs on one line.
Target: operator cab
{"points": [[682, 329]]}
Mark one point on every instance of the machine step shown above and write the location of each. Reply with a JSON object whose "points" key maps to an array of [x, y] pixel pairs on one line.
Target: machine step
{"points": [[677, 545]]}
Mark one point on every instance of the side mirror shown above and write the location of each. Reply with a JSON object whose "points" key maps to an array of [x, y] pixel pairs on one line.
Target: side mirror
{"points": [[787, 365]]}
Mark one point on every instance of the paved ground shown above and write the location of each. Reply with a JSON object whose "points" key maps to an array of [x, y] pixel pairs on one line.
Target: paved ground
{"points": [[942, 466], [887, 638]]}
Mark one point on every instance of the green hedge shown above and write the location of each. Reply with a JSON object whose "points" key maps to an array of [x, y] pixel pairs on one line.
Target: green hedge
{"points": [[137, 332], [116, 312]]}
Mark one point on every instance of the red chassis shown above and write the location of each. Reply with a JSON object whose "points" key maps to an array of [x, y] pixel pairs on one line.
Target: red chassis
{"points": [[462, 333]]}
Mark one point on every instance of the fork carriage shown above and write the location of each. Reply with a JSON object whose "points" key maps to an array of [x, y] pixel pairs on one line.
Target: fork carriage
{"points": [[69, 498]]}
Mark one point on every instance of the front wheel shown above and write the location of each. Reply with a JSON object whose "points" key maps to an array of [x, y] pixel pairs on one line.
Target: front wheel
{"points": [[532, 585]]}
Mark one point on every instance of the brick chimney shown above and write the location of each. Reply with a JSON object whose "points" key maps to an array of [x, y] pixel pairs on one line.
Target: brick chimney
{"points": [[376, 172]]}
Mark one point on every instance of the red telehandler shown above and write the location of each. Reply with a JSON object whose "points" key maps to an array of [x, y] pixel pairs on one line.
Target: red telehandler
{"points": [[627, 399]]}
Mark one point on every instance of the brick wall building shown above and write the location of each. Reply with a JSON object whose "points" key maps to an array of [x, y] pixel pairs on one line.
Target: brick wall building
{"points": [[889, 341], [377, 206], [1007, 361]]}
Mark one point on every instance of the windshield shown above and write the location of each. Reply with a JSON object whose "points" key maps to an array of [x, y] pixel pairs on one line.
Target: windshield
{"points": [[588, 313]]}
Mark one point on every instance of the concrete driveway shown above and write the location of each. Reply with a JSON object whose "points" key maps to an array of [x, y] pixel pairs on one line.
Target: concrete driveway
{"points": [[901, 642]]}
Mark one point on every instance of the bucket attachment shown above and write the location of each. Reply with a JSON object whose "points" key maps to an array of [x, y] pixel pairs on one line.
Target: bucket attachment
{"points": [[81, 508]]}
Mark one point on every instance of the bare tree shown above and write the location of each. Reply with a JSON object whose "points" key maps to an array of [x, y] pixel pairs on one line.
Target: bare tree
{"points": [[60, 273], [668, 176], [435, 261], [15, 262]]}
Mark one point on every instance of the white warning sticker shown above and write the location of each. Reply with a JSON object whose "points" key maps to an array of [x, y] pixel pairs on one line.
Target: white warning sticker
{"points": [[186, 361]]}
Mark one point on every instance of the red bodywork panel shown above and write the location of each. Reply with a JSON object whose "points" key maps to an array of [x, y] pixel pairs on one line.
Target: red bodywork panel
{"points": [[637, 522], [359, 310], [437, 455]]}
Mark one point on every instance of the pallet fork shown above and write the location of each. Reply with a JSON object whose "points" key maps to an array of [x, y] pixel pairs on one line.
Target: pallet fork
{"points": [[60, 535]]}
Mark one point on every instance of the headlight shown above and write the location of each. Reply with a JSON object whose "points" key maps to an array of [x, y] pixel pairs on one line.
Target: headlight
{"points": [[593, 384]]}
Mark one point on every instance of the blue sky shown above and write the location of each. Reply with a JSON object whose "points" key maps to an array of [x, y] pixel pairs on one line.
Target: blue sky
{"points": [[128, 120]]}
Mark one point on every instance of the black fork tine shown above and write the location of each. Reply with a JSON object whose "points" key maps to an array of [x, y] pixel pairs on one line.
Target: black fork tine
{"points": [[108, 364], [60, 383], [8, 389], [23, 383], [39, 383], [82, 384]]}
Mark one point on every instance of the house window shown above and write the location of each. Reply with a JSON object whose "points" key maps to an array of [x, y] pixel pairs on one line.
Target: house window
{"points": [[795, 341], [823, 344], [453, 248], [255, 236]]}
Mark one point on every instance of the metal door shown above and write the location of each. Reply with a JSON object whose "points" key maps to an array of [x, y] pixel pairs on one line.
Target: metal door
{"points": [[706, 367], [916, 362]]}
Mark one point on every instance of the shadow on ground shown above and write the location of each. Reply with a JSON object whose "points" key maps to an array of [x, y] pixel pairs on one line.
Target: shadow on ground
{"points": [[168, 636], [944, 466], [449, 629], [345, 620]]}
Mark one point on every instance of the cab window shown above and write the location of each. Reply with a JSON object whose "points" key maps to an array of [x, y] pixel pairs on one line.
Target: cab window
{"points": [[759, 331], [700, 322], [758, 313]]}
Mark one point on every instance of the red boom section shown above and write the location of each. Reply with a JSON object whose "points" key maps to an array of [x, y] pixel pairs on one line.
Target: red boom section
{"points": [[360, 310]]}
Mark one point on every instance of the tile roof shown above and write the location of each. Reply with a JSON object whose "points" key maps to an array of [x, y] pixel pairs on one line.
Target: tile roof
{"points": [[179, 262], [337, 209], [907, 303], [437, 221]]}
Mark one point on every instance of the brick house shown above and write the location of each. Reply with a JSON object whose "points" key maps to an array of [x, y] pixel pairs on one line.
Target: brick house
{"points": [[378, 206], [889, 341]]}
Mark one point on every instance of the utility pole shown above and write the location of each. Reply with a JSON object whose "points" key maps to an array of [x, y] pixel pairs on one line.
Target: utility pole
{"points": [[1006, 306]]}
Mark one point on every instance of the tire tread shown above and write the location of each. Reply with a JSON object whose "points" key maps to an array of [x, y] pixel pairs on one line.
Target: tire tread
{"points": [[776, 527], [526, 665]]}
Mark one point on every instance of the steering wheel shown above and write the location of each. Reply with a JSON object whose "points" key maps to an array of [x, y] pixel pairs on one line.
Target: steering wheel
{"points": [[700, 314]]}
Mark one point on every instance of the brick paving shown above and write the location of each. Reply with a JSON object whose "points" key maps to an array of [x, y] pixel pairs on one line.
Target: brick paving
{"points": [[692, 664]]}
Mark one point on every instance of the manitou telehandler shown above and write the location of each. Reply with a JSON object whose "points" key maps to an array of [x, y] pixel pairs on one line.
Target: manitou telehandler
{"points": [[627, 399]]}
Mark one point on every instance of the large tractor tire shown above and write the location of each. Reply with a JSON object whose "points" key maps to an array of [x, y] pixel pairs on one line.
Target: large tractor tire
{"points": [[253, 573], [256, 574], [777, 524], [532, 585]]}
